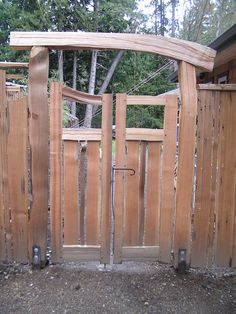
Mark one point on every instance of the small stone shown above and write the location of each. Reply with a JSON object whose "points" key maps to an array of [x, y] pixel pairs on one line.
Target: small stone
{"points": [[146, 303]]}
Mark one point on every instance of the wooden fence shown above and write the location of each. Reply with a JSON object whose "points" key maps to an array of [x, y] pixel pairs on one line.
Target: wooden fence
{"points": [[82, 230]]}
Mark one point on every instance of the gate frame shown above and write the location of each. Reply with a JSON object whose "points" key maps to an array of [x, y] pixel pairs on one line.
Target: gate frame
{"points": [[188, 54], [58, 93]]}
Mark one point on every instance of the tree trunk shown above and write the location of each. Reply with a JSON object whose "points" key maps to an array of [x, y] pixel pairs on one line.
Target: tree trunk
{"points": [[73, 104], [173, 25], [92, 80], [109, 76], [60, 65]]}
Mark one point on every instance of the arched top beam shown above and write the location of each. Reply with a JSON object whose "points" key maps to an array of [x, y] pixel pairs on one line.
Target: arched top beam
{"points": [[177, 49]]}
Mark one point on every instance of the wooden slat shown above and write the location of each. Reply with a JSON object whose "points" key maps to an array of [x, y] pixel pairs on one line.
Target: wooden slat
{"points": [[72, 134], [219, 87], [136, 134], [177, 49], [71, 232], [14, 76], [75, 95], [227, 192], [140, 253], [78, 253], [187, 79], [93, 189], [168, 165], [82, 174], [153, 195], [5, 243], [119, 175], [38, 138], [146, 100], [207, 137], [18, 176], [107, 102], [141, 194], [14, 64], [56, 170], [131, 231]]}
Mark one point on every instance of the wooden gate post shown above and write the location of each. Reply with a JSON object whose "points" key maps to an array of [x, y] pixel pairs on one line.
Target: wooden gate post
{"points": [[38, 140], [184, 192], [106, 177], [56, 170]]}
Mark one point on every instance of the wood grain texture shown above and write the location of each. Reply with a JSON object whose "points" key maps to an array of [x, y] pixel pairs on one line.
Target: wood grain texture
{"points": [[227, 177], [219, 87], [173, 48], [56, 170], [131, 229], [140, 253], [17, 143], [107, 103], [146, 100], [71, 219], [207, 143], [168, 166], [73, 134], [85, 98], [93, 197], [5, 242], [153, 194], [73, 253], [119, 176], [141, 134], [13, 65], [141, 194], [82, 186], [38, 138], [184, 190]]}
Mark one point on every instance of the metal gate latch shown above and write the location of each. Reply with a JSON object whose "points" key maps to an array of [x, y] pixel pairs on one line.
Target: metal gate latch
{"points": [[125, 169]]}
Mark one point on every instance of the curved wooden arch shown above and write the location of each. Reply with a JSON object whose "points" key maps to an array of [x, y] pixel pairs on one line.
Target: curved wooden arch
{"points": [[75, 95], [173, 48]]}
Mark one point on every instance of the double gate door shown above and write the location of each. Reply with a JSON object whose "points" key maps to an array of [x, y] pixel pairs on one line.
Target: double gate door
{"points": [[113, 204]]}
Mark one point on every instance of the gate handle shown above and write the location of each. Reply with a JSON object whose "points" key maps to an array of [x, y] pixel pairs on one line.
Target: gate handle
{"points": [[125, 169]]}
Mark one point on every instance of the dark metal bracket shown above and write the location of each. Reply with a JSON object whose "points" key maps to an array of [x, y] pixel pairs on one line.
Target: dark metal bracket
{"points": [[125, 169]]}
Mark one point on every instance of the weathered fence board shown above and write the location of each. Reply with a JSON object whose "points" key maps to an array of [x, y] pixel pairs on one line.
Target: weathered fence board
{"points": [[17, 144], [71, 232], [93, 191]]}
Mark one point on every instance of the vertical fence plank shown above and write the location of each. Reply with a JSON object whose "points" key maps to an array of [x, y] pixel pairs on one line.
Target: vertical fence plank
{"points": [[18, 176], [4, 215], [119, 176], [56, 170], [153, 194], [187, 81], [227, 199], [168, 165], [106, 177], [131, 232], [71, 232], [93, 188], [207, 138], [82, 173], [142, 170], [38, 138]]}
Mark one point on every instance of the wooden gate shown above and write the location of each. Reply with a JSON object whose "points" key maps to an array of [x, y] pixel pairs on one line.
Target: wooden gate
{"points": [[144, 183], [80, 178]]}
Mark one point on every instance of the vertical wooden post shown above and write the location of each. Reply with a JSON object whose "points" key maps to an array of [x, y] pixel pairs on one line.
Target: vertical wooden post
{"points": [[56, 170], [119, 176], [38, 139], [17, 163], [168, 165], [5, 230], [187, 81], [106, 177]]}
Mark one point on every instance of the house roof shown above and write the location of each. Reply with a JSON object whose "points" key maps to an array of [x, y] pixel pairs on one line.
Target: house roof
{"points": [[224, 39]]}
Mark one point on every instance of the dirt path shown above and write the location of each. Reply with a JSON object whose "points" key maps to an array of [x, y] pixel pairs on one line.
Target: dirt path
{"points": [[127, 288]]}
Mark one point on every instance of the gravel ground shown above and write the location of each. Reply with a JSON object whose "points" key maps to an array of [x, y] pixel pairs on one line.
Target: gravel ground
{"points": [[127, 288]]}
